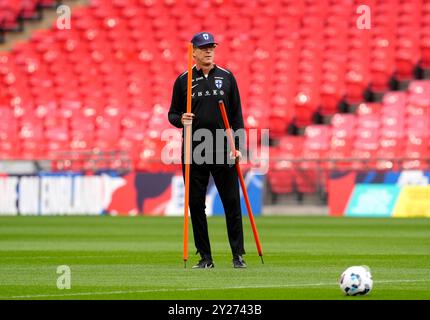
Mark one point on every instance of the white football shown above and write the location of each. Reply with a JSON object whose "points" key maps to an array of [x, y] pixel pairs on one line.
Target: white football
{"points": [[356, 280]]}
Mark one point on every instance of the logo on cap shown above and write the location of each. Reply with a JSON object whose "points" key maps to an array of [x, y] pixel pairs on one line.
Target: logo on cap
{"points": [[202, 39]]}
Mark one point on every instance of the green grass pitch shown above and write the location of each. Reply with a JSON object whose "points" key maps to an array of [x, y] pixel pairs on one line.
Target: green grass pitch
{"points": [[141, 258]]}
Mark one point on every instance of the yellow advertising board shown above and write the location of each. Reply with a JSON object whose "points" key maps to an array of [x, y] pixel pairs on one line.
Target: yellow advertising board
{"points": [[413, 201]]}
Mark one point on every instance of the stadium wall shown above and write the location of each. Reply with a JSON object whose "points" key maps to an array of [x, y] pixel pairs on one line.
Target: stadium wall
{"points": [[110, 193]]}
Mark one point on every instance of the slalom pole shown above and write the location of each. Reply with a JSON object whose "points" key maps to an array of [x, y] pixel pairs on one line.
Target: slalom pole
{"points": [[242, 182], [187, 153]]}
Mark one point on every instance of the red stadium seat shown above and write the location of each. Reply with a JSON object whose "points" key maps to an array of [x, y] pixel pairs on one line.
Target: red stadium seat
{"points": [[280, 175], [317, 138], [343, 125], [389, 154]]}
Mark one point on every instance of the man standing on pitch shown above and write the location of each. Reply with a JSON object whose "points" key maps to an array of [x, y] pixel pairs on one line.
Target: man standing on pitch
{"points": [[210, 84]]}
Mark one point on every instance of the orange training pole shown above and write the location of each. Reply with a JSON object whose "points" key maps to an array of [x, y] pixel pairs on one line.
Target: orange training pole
{"points": [[242, 182], [187, 154]]}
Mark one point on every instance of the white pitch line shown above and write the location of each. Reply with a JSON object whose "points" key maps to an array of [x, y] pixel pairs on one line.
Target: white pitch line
{"points": [[62, 257], [196, 289], [164, 290]]}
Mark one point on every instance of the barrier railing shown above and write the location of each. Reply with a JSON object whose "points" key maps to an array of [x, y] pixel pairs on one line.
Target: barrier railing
{"points": [[91, 160], [305, 176]]}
